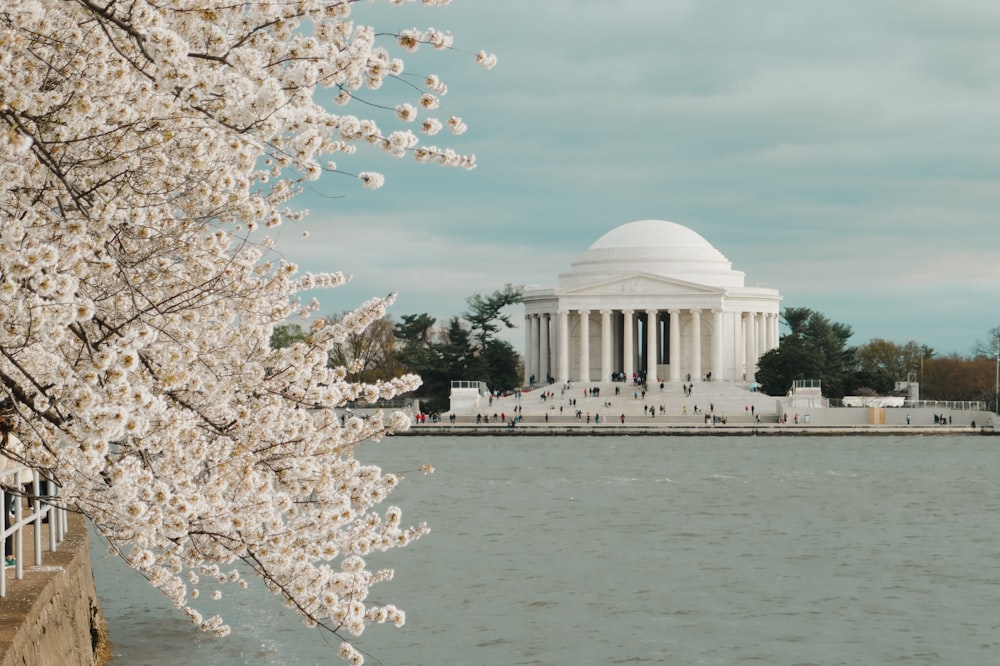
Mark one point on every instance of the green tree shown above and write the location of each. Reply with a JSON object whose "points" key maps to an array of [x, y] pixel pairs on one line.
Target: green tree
{"points": [[466, 348], [415, 330], [486, 317], [285, 335], [816, 348], [438, 357], [503, 365], [881, 363], [416, 348], [778, 368], [486, 312], [459, 356], [451, 357]]}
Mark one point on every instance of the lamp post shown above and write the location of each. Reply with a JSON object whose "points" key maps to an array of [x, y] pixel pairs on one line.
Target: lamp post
{"points": [[996, 351]]}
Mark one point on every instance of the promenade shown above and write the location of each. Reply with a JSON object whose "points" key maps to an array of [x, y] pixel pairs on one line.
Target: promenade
{"points": [[693, 408], [667, 429]]}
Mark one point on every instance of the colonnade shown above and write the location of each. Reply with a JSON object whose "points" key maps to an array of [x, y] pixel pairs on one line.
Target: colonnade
{"points": [[667, 345]]}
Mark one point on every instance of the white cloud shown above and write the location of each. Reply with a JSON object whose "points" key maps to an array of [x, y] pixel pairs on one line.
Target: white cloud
{"points": [[843, 152]]}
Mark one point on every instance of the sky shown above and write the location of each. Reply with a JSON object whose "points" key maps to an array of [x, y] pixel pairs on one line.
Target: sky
{"points": [[845, 153]]}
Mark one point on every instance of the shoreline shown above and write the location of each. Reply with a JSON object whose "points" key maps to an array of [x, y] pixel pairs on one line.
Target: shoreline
{"points": [[686, 430]]}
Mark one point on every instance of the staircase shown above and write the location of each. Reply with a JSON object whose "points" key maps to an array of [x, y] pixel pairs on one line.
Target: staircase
{"points": [[731, 401]]}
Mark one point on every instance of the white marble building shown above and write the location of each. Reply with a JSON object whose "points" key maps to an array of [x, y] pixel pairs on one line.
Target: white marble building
{"points": [[649, 293]]}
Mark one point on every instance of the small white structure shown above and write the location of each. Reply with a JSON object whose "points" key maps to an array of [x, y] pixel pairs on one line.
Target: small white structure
{"points": [[468, 396], [652, 298], [804, 394]]}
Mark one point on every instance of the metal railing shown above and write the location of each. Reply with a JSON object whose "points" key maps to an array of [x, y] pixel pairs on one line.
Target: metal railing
{"points": [[964, 405], [807, 383], [38, 512]]}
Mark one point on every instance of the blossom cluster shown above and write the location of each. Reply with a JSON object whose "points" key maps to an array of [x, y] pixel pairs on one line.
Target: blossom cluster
{"points": [[144, 148]]}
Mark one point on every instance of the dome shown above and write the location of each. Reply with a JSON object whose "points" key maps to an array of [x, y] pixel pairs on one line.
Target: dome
{"points": [[656, 233], [656, 247]]}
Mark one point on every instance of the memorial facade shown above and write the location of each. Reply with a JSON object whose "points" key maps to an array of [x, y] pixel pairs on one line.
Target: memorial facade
{"points": [[650, 299]]}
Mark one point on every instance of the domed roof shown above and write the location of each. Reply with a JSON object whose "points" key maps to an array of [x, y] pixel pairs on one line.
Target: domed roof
{"points": [[655, 233], [657, 247]]}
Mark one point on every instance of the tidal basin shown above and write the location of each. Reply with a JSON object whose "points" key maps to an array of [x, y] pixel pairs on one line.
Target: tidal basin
{"points": [[659, 550]]}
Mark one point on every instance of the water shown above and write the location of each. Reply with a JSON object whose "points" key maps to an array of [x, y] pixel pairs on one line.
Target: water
{"points": [[602, 550]]}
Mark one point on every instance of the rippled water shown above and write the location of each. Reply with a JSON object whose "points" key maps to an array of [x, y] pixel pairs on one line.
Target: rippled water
{"points": [[652, 550]]}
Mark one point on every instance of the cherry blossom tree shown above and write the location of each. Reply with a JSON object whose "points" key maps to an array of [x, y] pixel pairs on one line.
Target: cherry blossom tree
{"points": [[145, 150]]}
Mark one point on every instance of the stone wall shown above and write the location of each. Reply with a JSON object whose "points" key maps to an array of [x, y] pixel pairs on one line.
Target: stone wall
{"points": [[889, 416], [51, 616]]}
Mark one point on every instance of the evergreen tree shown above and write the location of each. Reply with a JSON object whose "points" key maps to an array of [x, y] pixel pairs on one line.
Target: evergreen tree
{"points": [[466, 349], [486, 318], [418, 352], [816, 348], [486, 312], [415, 331], [460, 358], [451, 357], [503, 365], [415, 351]]}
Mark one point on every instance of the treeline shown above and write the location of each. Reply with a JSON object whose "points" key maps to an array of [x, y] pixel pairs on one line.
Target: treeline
{"points": [[817, 348], [465, 347]]}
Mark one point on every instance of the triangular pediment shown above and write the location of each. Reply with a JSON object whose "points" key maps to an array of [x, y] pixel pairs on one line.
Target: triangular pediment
{"points": [[641, 283]]}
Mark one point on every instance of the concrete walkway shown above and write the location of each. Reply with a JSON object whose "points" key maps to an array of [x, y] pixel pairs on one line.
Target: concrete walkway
{"points": [[673, 429], [561, 402], [572, 409]]}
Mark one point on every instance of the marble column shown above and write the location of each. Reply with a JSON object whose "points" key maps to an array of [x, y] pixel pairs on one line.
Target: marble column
{"points": [[772, 331], [738, 346], [652, 348], [606, 336], [750, 344], [530, 348], [761, 334], [544, 341], [628, 367], [675, 345], [562, 328], [696, 344], [584, 345], [717, 341], [527, 347]]}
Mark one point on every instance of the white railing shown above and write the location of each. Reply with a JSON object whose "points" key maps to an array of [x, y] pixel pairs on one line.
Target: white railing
{"points": [[483, 389], [964, 405], [38, 512]]}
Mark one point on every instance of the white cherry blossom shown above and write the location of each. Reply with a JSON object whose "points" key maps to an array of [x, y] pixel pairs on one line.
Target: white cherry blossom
{"points": [[146, 148]]}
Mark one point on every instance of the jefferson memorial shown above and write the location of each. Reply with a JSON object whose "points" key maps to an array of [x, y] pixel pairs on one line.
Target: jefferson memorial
{"points": [[652, 299]]}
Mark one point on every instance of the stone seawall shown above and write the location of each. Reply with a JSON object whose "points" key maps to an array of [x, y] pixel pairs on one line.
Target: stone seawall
{"points": [[51, 616], [614, 429]]}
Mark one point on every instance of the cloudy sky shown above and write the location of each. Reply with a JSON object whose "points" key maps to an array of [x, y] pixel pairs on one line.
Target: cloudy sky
{"points": [[846, 153]]}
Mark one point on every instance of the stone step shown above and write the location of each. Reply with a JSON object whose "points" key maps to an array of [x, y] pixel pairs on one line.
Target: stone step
{"points": [[729, 399]]}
